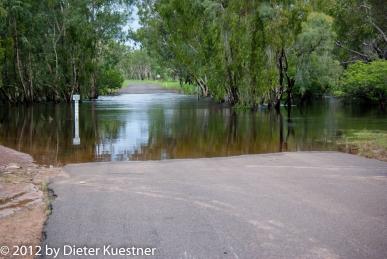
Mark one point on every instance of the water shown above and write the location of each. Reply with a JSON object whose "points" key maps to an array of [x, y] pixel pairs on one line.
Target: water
{"points": [[164, 126]]}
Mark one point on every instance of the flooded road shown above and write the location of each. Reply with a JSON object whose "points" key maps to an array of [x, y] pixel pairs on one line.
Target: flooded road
{"points": [[170, 125]]}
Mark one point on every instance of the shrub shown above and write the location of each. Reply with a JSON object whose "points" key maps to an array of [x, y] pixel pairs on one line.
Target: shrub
{"points": [[367, 81], [110, 80]]}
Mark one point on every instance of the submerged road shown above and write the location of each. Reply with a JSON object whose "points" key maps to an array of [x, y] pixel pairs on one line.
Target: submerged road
{"points": [[285, 205]]}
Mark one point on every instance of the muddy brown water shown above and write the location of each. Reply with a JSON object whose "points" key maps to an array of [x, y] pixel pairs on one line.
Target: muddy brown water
{"points": [[170, 125]]}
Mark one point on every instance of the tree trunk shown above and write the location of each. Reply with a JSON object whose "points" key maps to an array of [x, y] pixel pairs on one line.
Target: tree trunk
{"points": [[93, 93], [31, 78], [203, 86], [18, 61], [278, 94], [289, 91], [277, 104]]}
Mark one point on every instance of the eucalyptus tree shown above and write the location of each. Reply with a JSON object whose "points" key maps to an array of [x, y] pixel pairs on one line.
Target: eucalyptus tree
{"points": [[283, 22], [299, 45], [52, 48], [2, 48], [208, 40], [176, 33], [315, 70], [15, 32], [238, 38], [251, 52], [361, 26]]}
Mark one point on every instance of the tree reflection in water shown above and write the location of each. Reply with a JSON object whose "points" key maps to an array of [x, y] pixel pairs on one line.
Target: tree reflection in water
{"points": [[160, 126]]}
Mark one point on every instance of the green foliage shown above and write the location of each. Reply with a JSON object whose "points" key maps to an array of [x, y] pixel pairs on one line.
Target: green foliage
{"points": [[209, 43], [361, 29], [241, 52], [317, 71], [54, 48], [137, 64], [367, 81], [244, 52], [110, 80]]}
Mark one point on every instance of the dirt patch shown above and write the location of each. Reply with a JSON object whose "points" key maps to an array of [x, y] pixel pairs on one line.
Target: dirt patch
{"points": [[24, 199]]}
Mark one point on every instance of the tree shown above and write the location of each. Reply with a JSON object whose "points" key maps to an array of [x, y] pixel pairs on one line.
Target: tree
{"points": [[53, 48], [316, 70], [282, 21], [252, 52], [139, 65], [361, 29]]}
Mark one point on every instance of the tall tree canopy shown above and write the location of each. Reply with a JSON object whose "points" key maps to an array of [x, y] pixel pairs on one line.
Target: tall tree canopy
{"points": [[249, 52], [244, 52], [50, 49]]}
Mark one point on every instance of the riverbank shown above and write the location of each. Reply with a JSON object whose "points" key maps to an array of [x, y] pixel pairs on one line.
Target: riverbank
{"points": [[366, 143], [24, 199]]}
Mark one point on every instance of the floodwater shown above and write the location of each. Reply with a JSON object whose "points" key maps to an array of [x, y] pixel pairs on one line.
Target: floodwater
{"points": [[168, 125]]}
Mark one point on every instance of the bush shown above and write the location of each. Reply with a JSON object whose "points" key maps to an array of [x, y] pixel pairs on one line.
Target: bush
{"points": [[366, 81], [110, 80]]}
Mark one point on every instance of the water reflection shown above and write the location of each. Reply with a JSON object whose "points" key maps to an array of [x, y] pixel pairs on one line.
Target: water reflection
{"points": [[161, 126], [76, 139]]}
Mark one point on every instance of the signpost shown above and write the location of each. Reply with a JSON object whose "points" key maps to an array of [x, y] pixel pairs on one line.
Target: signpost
{"points": [[76, 139]]}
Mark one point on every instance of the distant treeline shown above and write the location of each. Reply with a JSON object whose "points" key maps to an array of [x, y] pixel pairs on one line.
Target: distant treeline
{"points": [[253, 52], [50, 49]]}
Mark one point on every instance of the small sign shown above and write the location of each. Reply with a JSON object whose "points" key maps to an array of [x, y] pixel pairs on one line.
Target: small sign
{"points": [[76, 97]]}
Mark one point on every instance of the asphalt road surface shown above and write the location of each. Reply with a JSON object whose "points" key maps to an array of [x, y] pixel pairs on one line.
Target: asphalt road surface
{"points": [[285, 205]]}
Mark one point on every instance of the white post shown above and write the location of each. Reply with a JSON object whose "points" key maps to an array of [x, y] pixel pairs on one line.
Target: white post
{"points": [[76, 139]]}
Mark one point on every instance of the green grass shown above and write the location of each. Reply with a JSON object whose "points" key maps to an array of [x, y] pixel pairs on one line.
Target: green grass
{"points": [[130, 81], [368, 143], [186, 88]]}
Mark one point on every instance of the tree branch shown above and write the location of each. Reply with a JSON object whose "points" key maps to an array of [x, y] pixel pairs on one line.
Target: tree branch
{"points": [[364, 56]]}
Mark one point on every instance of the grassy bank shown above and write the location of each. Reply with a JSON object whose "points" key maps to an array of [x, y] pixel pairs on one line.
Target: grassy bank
{"points": [[367, 143], [169, 84]]}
